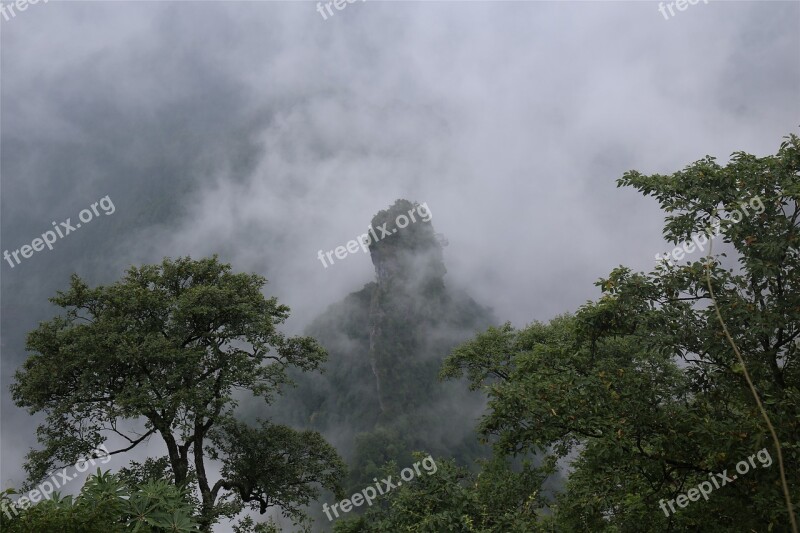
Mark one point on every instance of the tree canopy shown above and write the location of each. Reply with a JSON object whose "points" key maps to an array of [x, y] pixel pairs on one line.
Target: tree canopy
{"points": [[166, 349]]}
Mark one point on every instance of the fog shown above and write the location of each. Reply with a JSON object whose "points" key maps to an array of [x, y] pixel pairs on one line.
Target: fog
{"points": [[264, 133]]}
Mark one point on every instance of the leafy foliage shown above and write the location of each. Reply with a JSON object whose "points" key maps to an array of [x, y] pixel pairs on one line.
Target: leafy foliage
{"points": [[500, 499], [274, 465], [106, 504], [167, 347]]}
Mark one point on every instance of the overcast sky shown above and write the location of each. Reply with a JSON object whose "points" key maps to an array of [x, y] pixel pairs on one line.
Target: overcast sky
{"points": [[262, 132]]}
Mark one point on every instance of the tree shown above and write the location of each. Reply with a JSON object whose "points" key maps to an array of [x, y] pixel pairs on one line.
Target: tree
{"points": [[552, 391], [643, 388], [166, 348]]}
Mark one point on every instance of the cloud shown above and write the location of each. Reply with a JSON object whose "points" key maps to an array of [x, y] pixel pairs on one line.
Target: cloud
{"points": [[261, 132]]}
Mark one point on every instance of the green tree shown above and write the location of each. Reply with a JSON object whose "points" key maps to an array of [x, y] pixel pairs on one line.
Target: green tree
{"points": [[642, 390], [166, 348], [549, 390]]}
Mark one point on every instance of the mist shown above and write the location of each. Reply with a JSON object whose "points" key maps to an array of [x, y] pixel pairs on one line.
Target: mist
{"points": [[263, 133]]}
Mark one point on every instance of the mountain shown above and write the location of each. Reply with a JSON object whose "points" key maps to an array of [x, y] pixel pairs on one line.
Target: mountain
{"points": [[379, 397]]}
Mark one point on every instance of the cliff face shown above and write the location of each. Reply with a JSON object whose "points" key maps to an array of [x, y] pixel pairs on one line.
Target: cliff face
{"points": [[380, 397], [409, 296]]}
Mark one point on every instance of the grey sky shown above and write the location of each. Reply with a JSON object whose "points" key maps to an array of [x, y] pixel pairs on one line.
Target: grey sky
{"points": [[260, 131]]}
